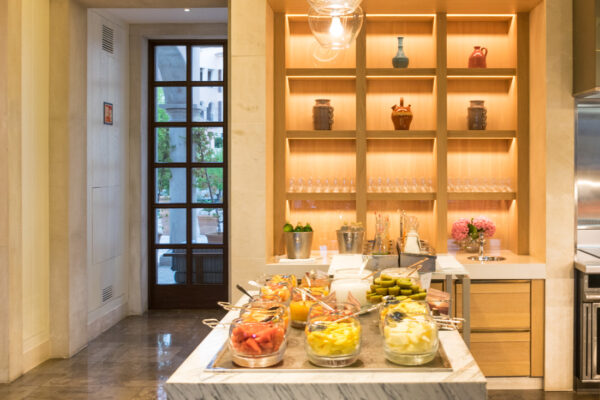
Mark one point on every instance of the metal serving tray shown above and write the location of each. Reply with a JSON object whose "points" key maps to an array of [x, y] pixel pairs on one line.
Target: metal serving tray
{"points": [[371, 356]]}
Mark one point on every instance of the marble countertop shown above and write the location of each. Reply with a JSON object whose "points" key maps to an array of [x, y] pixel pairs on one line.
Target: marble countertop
{"points": [[193, 381], [514, 267]]}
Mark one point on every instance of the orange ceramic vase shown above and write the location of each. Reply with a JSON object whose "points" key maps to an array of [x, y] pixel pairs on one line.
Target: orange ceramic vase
{"points": [[401, 116], [477, 57]]}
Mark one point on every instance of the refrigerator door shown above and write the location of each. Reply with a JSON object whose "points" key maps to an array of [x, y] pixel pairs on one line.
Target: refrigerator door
{"points": [[587, 165]]}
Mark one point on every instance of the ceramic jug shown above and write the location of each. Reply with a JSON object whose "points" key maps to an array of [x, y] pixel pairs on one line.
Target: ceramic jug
{"points": [[400, 60], [477, 58], [322, 115], [477, 115], [401, 116]]}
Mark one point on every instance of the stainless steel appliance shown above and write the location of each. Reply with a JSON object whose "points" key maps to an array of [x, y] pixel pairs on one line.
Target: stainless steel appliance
{"points": [[587, 282], [588, 318]]}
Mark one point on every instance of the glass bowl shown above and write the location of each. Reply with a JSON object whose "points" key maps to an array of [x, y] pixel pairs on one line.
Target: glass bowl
{"points": [[404, 307], [410, 339], [332, 340], [257, 344], [277, 291], [260, 310], [395, 282], [301, 303]]}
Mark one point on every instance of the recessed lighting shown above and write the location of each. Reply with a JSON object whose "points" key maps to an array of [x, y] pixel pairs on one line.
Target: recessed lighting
{"points": [[186, 10]]}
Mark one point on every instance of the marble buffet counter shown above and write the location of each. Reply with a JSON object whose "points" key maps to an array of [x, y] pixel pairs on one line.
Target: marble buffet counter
{"points": [[195, 379]]}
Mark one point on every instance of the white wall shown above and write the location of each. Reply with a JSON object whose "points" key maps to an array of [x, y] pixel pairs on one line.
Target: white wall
{"points": [[107, 149], [35, 181]]}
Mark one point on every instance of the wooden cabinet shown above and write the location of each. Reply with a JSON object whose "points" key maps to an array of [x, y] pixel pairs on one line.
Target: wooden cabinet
{"points": [[502, 353], [498, 306], [507, 326]]}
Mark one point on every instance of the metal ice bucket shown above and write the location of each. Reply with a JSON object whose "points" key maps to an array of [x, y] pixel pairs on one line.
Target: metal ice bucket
{"points": [[298, 244], [350, 242]]}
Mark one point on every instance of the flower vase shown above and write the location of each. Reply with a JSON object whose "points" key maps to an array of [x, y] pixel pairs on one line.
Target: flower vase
{"points": [[400, 60], [470, 245]]}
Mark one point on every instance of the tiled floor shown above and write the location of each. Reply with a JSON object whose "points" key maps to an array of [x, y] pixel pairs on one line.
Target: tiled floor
{"points": [[134, 359]]}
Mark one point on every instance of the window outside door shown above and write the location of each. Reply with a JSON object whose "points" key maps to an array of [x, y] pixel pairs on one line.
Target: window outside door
{"points": [[188, 227]]}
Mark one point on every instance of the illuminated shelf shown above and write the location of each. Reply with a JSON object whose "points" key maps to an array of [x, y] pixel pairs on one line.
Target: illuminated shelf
{"points": [[401, 196], [482, 134], [315, 73], [482, 195], [414, 73], [486, 73], [480, 17], [321, 196], [384, 134], [320, 134]]}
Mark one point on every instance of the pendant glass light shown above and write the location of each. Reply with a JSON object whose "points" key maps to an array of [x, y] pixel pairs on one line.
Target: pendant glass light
{"points": [[335, 32], [334, 7]]}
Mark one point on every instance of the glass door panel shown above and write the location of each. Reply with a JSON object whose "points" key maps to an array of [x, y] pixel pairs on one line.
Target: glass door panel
{"points": [[188, 174]]}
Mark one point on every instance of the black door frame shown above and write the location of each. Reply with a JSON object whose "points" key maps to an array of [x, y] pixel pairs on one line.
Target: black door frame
{"points": [[186, 295]]}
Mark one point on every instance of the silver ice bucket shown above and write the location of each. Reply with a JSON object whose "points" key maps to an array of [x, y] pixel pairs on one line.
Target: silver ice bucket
{"points": [[298, 244], [350, 242]]}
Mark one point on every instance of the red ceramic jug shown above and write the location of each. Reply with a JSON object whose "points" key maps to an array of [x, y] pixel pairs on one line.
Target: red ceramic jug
{"points": [[477, 58]]}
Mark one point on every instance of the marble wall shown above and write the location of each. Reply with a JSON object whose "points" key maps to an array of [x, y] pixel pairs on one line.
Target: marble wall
{"points": [[35, 181], [107, 173], [560, 210], [251, 133], [68, 163], [11, 317]]}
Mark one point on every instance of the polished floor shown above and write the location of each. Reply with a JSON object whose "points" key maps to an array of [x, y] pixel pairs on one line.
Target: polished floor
{"points": [[132, 361]]}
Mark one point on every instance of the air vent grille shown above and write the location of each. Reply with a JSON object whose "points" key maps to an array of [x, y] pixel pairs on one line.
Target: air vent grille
{"points": [[108, 39], [107, 293]]}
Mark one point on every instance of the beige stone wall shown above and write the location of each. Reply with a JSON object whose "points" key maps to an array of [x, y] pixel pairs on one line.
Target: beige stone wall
{"points": [[138, 144], [552, 180], [11, 316], [560, 210], [35, 180], [68, 162], [251, 138]]}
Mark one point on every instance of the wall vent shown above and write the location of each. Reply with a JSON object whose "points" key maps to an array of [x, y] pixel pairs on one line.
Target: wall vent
{"points": [[107, 293], [108, 39]]}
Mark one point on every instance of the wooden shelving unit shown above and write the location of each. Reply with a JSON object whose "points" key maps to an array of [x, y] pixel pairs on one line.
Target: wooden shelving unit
{"points": [[486, 134], [362, 87], [400, 134], [320, 134], [482, 196], [401, 196], [322, 196]]}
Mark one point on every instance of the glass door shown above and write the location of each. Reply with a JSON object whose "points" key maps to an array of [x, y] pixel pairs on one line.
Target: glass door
{"points": [[188, 228]]}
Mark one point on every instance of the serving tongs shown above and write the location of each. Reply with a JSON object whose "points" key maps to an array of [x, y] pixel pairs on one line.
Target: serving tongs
{"points": [[448, 324], [271, 312], [308, 294]]}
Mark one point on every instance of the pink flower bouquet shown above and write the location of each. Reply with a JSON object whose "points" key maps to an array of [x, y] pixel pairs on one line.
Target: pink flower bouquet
{"points": [[463, 228]]}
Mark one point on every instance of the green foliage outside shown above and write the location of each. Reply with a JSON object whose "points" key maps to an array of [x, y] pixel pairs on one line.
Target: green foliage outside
{"points": [[163, 148], [207, 146], [208, 179]]}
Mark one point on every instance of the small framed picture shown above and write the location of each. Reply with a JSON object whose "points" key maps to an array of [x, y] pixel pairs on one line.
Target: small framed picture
{"points": [[108, 113]]}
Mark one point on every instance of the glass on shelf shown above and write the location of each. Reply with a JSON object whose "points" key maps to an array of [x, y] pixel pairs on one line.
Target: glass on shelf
{"points": [[318, 187], [300, 185], [309, 185], [336, 186], [326, 186], [430, 185], [291, 185]]}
